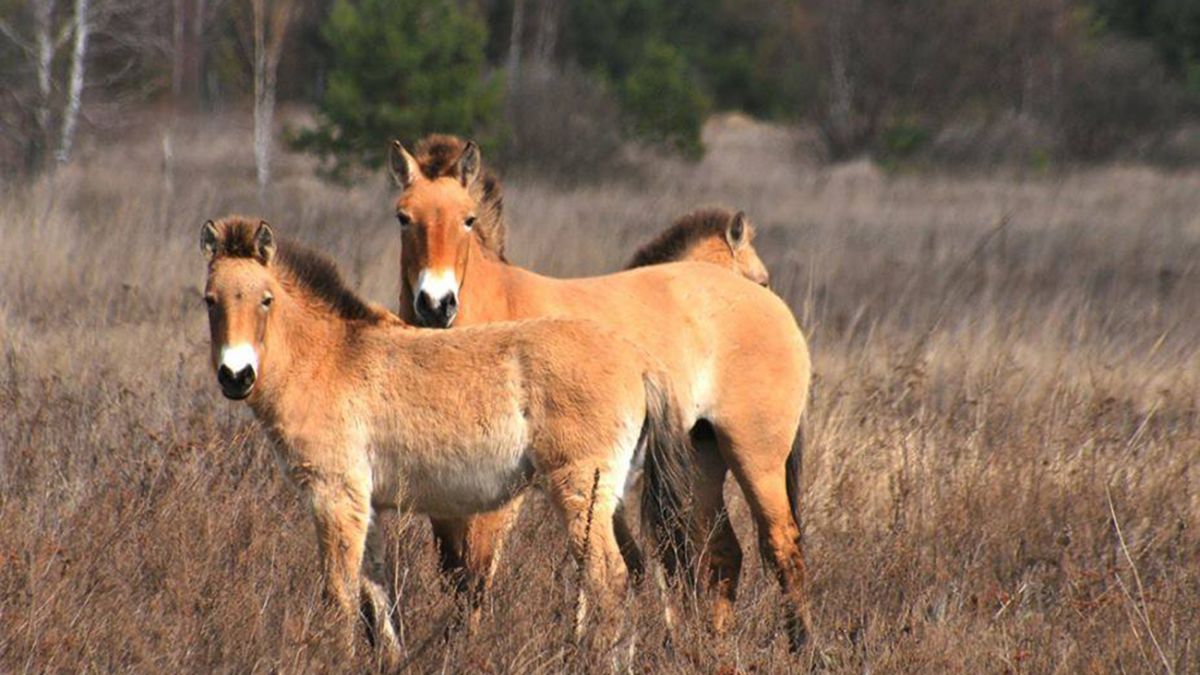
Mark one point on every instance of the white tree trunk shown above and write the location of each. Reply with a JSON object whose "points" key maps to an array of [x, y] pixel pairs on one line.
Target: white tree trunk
{"points": [[264, 98], [75, 86], [269, 32], [43, 17]]}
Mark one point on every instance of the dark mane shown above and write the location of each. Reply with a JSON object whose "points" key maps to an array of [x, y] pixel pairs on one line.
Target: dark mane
{"points": [[437, 156], [314, 272], [676, 240]]}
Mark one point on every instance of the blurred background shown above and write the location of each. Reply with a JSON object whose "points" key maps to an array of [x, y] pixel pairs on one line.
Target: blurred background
{"points": [[985, 215], [1030, 82]]}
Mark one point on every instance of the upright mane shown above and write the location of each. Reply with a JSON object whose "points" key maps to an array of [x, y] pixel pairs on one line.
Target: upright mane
{"points": [[312, 272], [674, 242], [437, 156]]}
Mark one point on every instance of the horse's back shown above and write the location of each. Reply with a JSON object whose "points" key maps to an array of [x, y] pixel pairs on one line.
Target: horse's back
{"points": [[722, 337]]}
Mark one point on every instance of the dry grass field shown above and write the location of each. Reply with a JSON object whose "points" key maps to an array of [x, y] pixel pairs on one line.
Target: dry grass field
{"points": [[1003, 472]]}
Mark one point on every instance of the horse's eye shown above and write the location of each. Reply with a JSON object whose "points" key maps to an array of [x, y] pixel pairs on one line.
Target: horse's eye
{"points": [[404, 219], [266, 301], [469, 222], [210, 300]]}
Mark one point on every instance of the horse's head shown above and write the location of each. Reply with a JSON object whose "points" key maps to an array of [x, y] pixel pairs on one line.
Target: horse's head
{"points": [[711, 235], [437, 216], [240, 292], [737, 251]]}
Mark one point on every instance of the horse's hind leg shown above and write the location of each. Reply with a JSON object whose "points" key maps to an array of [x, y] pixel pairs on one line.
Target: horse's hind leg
{"points": [[485, 536], [712, 532], [587, 501], [469, 551], [449, 536], [635, 562], [758, 463]]}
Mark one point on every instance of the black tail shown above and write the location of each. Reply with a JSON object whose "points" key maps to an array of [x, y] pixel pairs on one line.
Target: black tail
{"points": [[795, 473], [667, 473]]}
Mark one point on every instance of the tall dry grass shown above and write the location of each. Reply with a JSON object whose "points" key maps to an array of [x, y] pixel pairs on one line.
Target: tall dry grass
{"points": [[1003, 471]]}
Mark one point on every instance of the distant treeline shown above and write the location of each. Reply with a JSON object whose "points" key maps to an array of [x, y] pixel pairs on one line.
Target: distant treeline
{"points": [[1027, 79]]}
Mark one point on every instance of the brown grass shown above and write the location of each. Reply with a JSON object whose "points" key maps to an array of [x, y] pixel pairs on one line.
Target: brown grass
{"points": [[1003, 470]]}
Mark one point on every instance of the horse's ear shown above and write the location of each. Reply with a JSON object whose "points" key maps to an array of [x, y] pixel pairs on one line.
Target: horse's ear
{"points": [[402, 166], [208, 240], [264, 242], [737, 230], [468, 164]]}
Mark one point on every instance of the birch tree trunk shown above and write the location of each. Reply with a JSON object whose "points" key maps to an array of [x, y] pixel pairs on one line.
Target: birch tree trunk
{"points": [[75, 86], [43, 17], [264, 104], [269, 33]]}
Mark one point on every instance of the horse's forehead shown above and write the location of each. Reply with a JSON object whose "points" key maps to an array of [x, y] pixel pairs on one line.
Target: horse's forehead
{"points": [[236, 274], [436, 199]]}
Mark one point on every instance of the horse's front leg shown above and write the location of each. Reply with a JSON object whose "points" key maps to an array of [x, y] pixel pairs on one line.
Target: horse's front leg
{"points": [[341, 511], [375, 601]]}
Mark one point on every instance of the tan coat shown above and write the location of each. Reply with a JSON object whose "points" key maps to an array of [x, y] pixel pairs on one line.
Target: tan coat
{"points": [[368, 413], [731, 350]]}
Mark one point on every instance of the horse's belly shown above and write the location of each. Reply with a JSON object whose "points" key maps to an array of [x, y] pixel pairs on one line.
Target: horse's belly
{"points": [[472, 483], [454, 477]]}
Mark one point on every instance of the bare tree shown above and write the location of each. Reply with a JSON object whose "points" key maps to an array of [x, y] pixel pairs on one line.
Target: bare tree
{"points": [[40, 51], [841, 84], [43, 17], [270, 29], [83, 27], [545, 40], [514, 42], [190, 22]]}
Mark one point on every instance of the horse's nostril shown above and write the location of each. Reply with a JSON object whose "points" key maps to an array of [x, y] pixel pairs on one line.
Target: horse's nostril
{"points": [[236, 384], [450, 303], [424, 303]]}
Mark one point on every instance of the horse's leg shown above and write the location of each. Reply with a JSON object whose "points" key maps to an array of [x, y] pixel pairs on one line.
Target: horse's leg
{"points": [[758, 463], [449, 536], [342, 515], [587, 504], [483, 543], [711, 530], [374, 601], [631, 553]]}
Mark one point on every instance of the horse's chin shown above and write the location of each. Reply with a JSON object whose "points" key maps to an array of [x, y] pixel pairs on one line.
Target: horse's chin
{"points": [[237, 394], [434, 322]]}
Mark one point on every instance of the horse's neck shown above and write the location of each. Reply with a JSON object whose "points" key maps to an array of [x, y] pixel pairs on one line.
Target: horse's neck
{"points": [[305, 347], [487, 291]]}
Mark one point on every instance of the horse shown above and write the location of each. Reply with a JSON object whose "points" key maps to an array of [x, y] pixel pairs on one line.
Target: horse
{"points": [[737, 361], [713, 235], [369, 414]]}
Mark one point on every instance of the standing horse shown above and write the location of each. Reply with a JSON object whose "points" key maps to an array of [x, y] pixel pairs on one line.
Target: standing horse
{"points": [[711, 235], [732, 351], [369, 414]]}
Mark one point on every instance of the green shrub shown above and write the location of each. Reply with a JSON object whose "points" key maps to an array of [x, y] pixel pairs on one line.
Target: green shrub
{"points": [[903, 138], [664, 102], [399, 69]]}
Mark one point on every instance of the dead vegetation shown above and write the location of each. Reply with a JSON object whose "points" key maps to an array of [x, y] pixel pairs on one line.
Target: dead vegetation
{"points": [[1002, 472]]}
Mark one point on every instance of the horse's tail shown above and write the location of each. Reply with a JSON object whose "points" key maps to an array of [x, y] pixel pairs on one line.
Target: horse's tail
{"points": [[795, 472], [667, 471]]}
